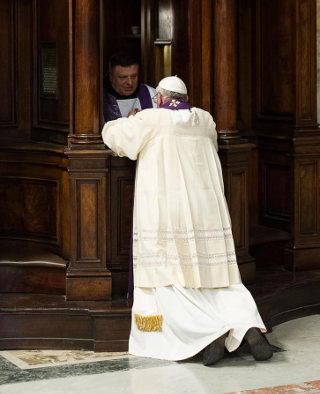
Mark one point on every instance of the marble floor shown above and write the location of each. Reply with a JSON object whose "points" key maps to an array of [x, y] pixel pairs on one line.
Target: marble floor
{"points": [[294, 368]]}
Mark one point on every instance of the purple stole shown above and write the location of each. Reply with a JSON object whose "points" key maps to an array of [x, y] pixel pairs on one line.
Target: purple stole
{"points": [[173, 104], [176, 104], [111, 109]]}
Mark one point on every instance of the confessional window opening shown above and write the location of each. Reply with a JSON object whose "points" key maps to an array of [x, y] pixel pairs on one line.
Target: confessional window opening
{"points": [[48, 70]]}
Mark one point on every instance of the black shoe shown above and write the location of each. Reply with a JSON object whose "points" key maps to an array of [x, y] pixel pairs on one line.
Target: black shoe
{"points": [[259, 346], [214, 352]]}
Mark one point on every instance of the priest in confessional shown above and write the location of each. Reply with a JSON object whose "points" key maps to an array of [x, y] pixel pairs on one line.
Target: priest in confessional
{"points": [[123, 94]]}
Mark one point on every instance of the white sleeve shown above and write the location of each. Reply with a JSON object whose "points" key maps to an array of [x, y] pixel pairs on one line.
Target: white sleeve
{"points": [[127, 136], [215, 135]]}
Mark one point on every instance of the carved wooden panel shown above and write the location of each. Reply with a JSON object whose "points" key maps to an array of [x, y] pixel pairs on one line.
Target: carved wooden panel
{"points": [[276, 192], [87, 275], [306, 64], [28, 208], [308, 201], [275, 59], [51, 27], [122, 185], [15, 46], [125, 200], [234, 160], [237, 202], [35, 201], [88, 219], [7, 68]]}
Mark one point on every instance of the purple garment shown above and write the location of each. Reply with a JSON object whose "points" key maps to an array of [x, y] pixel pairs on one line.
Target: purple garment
{"points": [[111, 109], [175, 104]]}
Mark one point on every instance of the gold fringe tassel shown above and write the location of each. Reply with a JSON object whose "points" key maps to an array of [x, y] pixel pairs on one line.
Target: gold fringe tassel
{"points": [[148, 323]]}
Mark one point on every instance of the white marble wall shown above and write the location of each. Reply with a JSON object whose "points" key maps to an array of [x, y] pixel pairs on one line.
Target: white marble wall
{"points": [[318, 59]]}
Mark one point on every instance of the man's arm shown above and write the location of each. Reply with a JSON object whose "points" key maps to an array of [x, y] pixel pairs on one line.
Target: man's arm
{"points": [[127, 136]]}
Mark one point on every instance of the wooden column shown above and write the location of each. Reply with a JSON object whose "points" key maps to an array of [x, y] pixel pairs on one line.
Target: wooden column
{"points": [[87, 275], [234, 151], [225, 69]]}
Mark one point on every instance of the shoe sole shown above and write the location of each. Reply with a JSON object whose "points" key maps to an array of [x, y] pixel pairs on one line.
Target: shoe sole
{"points": [[259, 346], [214, 352]]}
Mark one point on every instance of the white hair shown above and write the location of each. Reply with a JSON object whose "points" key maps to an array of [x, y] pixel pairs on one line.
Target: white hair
{"points": [[167, 94]]}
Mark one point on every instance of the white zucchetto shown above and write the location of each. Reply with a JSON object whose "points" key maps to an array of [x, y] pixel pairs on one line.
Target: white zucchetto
{"points": [[173, 84]]}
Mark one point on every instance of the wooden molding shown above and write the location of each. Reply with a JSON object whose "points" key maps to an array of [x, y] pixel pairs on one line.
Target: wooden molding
{"points": [[306, 76], [234, 161], [87, 276]]}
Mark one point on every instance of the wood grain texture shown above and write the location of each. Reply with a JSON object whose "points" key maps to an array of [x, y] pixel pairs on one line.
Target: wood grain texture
{"points": [[306, 110], [225, 68], [15, 70], [35, 198], [122, 186], [8, 109], [51, 29], [87, 78], [275, 56]]}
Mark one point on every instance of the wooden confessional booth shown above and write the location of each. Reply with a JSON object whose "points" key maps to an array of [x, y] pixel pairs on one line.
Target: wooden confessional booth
{"points": [[66, 203]]}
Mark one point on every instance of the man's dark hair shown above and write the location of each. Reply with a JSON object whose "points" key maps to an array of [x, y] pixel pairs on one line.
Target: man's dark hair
{"points": [[123, 59]]}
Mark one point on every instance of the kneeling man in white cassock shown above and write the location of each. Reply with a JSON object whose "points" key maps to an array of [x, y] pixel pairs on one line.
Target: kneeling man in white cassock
{"points": [[188, 294]]}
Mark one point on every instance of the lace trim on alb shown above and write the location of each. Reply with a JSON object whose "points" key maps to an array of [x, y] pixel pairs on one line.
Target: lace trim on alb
{"points": [[201, 259], [184, 236]]}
